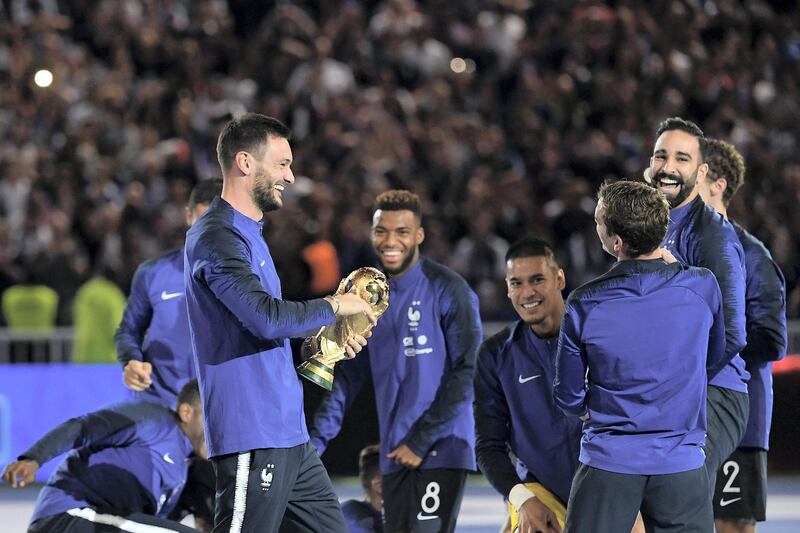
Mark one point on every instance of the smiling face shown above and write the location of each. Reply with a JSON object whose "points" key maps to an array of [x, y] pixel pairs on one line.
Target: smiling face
{"points": [[271, 174], [396, 236], [534, 288], [676, 166]]}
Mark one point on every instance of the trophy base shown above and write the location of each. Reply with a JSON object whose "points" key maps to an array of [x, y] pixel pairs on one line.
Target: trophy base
{"points": [[317, 372]]}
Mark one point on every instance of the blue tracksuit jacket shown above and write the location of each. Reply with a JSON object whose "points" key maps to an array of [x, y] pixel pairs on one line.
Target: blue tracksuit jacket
{"points": [[649, 334], [422, 359], [515, 410], [155, 328], [240, 329], [765, 305], [699, 236], [130, 457]]}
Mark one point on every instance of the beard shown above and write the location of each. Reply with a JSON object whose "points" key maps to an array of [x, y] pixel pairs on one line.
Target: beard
{"points": [[264, 198], [403, 266], [685, 187]]}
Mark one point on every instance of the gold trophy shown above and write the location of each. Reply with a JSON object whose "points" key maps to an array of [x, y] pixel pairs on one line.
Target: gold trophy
{"points": [[328, 346]]}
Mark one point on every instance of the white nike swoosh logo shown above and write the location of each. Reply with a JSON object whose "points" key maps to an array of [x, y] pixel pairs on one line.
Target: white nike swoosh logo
{"points": [[170, 295], [525, 380], [420, 516], [723, 502], [168, 459], [262, 263]]}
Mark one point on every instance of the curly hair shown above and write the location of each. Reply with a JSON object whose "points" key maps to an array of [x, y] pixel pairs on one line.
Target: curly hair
{"points": [[398, 200], [725, 162]]}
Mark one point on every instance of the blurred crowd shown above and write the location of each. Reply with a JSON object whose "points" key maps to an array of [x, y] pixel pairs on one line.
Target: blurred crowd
{"points": [[503, 115]]}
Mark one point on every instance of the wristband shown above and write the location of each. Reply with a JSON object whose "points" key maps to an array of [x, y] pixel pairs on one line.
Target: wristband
{"points": [[520, 494]]}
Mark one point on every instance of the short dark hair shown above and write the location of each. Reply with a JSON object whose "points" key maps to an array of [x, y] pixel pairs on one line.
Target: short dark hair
{"points": [[637, 212], [677, 123], [247, 132], [398, 200], [190, 393], [530, 246], [724, 161], [369, 465], [205, 191]]}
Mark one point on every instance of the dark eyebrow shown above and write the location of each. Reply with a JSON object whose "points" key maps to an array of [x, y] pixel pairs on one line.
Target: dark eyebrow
{"points": [[661, 151]]}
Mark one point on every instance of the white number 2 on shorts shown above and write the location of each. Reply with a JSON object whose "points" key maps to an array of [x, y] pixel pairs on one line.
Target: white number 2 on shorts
{"points": [[430, 500], [731, 468]]}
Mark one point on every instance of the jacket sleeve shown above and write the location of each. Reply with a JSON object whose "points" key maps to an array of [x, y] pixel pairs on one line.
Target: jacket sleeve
{"points": [[721, 252], [461, 325], [716, 355], [569, 386], [113, 426], [227, 273], [135, 320], [766, 310], [349, 379], [492, 421]]}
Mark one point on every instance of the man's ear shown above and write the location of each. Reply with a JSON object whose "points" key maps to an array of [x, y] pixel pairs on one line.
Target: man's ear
{"points": [[702, 171], [242, 161], [719, 186], [185, 412], [420, 235]]}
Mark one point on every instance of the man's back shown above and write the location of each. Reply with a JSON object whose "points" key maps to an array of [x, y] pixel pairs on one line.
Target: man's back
{"points": [[129, 457], [646, 329]]}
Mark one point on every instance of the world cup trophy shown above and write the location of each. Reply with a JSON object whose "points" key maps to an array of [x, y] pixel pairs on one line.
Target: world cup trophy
{"points": [[328, 346]]}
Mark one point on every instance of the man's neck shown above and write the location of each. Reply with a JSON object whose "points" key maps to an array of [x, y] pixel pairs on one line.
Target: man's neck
{"points": [[241, 199], [655, 254], [718, 206]]}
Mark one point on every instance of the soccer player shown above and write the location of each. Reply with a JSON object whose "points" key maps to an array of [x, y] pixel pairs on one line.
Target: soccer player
{"points": [[514, 408], [635, 351], [422, 361], [152, 340], [366, 516], [154, 349], [699, 236], [267, 474], [740, 498], [125, 472]]}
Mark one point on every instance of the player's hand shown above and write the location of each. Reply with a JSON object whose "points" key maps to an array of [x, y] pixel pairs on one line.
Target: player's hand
{"points": [[534, 516], [355, 344], [667, 256], [20, 473], [136, 375], [352, 304], [403, 455]]}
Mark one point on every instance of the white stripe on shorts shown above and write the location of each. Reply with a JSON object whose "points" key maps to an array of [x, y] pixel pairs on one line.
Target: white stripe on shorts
{"points": [[117, 521], [240, 493]]}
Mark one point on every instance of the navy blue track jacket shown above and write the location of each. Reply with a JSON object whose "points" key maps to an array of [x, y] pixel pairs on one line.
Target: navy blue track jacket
{"points": [[515, 410], [765, 305], [155, 328], [240, 329], [130, 457], [699, 236], [422, 359], [649, 334]]}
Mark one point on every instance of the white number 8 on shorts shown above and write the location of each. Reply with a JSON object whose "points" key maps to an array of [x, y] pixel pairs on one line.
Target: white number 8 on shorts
{"points": [[430, 500]]}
